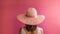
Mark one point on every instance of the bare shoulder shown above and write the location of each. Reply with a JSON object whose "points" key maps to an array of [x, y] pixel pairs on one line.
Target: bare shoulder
{"points": [[40, 30]]}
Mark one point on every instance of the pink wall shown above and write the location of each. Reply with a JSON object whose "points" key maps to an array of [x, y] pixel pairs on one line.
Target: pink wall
{"points": [[11, 8]]}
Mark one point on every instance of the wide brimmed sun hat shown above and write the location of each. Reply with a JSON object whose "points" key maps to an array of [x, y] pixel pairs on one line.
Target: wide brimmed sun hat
{"points": [[31, 17]]}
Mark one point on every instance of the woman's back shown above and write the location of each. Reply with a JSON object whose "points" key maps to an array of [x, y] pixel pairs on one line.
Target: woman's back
{"points": [[37, 31]]}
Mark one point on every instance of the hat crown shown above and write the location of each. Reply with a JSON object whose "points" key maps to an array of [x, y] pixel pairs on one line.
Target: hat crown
{"points": [[31, 12]]}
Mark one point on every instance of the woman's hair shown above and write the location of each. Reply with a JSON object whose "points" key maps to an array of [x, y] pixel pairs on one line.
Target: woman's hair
{"points": [[31, 27]]}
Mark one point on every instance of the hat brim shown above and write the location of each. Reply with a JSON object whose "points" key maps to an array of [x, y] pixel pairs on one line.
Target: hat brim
{"points": [[29, 20]]}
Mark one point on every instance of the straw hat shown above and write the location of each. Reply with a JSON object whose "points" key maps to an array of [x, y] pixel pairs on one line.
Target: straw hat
{"points": [[31, 17]]}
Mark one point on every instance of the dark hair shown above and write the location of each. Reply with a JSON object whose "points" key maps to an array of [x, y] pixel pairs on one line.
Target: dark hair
{"points": [[31, 27]]}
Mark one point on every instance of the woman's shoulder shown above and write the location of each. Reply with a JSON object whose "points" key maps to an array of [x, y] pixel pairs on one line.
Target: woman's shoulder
{"points": [[39, 28]]}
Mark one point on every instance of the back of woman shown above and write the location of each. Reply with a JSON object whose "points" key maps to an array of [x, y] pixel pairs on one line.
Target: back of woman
{"points": [[37, 31]]}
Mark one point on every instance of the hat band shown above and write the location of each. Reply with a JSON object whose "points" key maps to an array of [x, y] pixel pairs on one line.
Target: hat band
{"points": [[30, 16]]}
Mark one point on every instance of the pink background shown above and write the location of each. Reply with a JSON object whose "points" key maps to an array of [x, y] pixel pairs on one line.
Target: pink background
{"points": [[9, 9]]}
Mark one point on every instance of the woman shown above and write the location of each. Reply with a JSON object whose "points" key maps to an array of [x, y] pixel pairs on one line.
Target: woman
{"points": [[31, 20]]}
